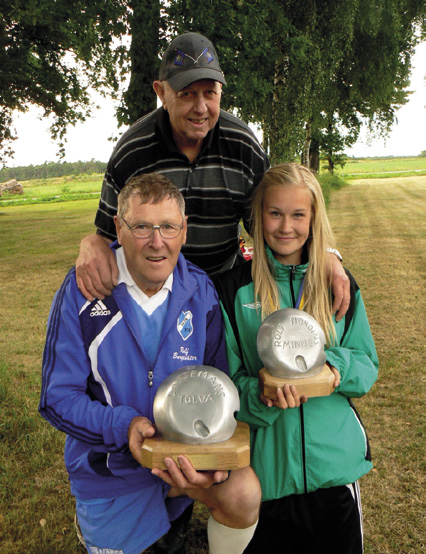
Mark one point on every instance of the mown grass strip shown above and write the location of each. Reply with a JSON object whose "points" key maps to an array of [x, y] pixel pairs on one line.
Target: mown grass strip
{"points": [[384, 174]]}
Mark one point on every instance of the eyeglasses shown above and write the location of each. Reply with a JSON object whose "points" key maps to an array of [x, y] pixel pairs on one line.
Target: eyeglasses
{"points": [[145, 230]]}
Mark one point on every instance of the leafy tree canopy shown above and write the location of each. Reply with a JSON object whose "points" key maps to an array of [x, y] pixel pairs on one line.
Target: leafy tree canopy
{"points": [[52, 52], [309, 73], [303, 68]]}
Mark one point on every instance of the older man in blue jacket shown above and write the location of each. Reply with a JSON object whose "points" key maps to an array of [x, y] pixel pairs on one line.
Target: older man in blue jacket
{"points": [[102, 365]]}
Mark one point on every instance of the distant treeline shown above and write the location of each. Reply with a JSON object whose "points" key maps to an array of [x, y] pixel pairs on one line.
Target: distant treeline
{"points": [[61, 169], [51, 169]]}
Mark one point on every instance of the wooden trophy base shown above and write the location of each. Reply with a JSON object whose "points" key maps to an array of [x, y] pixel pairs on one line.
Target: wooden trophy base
{"points": [[321, 384], [231, 454]]}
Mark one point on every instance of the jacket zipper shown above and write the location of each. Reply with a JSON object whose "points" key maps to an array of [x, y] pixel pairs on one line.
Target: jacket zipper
{"points": [[292, 278], [302, 430], [150, 378], [302, 421], [150, 375]]}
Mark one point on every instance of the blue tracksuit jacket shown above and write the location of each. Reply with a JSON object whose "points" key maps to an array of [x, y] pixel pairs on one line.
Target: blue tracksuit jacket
{"points": [[95, 373]]}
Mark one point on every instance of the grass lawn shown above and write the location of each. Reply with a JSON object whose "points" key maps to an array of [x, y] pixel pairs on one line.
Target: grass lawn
{"points": [[382, 167], [378, 225], [56, 189], [39, 245]]}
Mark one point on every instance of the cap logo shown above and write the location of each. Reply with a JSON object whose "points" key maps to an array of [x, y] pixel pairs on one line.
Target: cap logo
{"points": [[180, 56], [208, 55]]}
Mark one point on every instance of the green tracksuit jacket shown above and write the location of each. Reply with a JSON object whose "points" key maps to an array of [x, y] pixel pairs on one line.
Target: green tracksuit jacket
{"points": [[323, 443]]}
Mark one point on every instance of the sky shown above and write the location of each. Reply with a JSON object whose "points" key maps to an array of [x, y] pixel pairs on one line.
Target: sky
{"points": [[89, 140]]}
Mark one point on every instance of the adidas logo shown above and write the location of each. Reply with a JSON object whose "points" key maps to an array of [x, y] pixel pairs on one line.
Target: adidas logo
{"points": [[99, 309]]}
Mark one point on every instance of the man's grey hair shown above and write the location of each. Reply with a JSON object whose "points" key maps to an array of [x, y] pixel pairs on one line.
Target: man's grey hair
{"points": [[151, 188]]}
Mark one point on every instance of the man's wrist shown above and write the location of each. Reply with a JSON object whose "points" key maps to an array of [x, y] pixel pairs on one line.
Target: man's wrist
{"points": [[335, 252]]}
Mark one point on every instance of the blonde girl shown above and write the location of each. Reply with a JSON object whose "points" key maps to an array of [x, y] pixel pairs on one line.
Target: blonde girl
{"points": [[310, 457]]}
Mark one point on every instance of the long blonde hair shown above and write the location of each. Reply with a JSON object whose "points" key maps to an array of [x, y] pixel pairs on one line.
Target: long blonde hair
{"points": [[317, 287]]}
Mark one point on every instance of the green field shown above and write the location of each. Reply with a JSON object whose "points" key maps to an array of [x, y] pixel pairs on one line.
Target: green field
{"points": [[382, 167], [380, 232], [58, 189], [81, 187]]}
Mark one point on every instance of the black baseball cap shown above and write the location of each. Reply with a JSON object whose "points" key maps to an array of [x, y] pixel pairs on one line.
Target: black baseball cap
{"points": [[190, 57]]}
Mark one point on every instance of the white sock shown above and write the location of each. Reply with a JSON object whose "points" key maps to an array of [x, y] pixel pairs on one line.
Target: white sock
{"points": [[226, 540]]}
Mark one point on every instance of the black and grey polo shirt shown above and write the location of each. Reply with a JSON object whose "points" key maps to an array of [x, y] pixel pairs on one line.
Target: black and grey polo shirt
{"points": [[216, 186]]}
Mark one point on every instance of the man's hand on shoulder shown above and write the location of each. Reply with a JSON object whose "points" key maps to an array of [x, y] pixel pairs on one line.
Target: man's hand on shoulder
{"points": [[341, 287], [96, 268]]}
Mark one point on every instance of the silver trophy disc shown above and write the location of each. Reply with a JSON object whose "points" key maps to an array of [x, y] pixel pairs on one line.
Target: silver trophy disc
{"points": [[196, 405], [291, 344]]}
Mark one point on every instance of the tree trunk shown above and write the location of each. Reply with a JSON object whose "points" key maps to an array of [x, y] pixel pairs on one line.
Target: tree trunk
{"points": [[279, 83], [314, 155], [265, 137], [140, 98], [308, 137]]}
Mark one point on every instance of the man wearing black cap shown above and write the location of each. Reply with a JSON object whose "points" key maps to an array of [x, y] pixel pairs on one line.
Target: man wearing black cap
{"points": [[208, 153]]}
